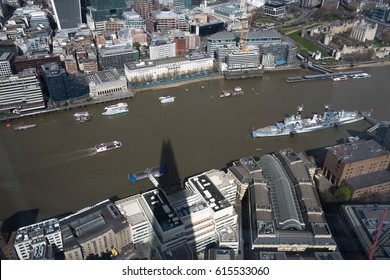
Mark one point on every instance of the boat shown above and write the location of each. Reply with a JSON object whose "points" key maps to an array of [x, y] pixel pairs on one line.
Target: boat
{"points": [[116, 109], [82, 117], [296, 124], [156, 171], [104, 147], [167, 99], [24, 126], [237, 91], [117, 106], [340, 78], [360, 76]]}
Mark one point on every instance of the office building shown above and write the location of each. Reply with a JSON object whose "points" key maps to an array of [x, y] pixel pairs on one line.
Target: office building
{"points": [[116, 56], [37, 241], [162, 49], [7, 65], [383, 134], [166, 20], [220, 39], [133, 20], [274, 9], [94, 231], [142, 72], [145, 7], [362, 223], [207, 28], [354, 159], [243, 60], [21, 92], [7, 249], [381, 13], [35, 61], [141, 230], [276, 54], [67, 13], [62, 86], [102, 10]]}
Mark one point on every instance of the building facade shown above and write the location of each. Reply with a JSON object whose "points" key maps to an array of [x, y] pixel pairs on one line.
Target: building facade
{"points": [[116, 56], [21, 92], [94, 231], [162, 50], [274, 9], [7, 65], [67, 13], [34, 239], [354, 159], [220, 39], [363, 31], [106, 82], [102, 10]]}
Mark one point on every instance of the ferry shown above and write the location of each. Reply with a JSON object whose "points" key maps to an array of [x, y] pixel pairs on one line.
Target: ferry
{"points": [[104, 147], [167, 99], [237, 91], [82, 117], [117, 106], [116, 109], [340, 78], [360, 76], [24, 126], [156, 171]]}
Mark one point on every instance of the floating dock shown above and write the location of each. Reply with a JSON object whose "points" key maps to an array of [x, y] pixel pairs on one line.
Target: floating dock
{"points": [[314, 77]]}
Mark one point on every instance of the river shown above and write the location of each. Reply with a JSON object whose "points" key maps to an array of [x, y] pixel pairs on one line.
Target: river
{"points": [[53, 169]]}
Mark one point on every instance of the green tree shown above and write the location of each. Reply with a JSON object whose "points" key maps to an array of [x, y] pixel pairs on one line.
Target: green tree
{"points": [[343, 193]]}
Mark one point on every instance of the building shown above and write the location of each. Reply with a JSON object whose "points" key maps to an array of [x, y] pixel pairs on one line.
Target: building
{"points": [[381, 13], [162, 49], [363, 31], [38, 240], [8, 46], [21, 92], [207, 28], [141, 230], [94, 231], [369, 185], [149, 71], [361, 222], [307, 4], [169, 229], [383, 134], [257, 38], [116, 56], [106, 82], [67, 13], [7, 65], [354, 159], [243, 60], [62, 86], [145, 7], [274, 9], [102, 10], [230, 15], [220, 39], [277, 54], [166, 20], [284, 208], [133, 20], [221, 254], [35, 61], [7, 249]]}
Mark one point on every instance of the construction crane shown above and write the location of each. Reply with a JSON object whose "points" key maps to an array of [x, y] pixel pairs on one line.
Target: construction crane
{"points": [[378, 233], [243, 8], [245, 46]]}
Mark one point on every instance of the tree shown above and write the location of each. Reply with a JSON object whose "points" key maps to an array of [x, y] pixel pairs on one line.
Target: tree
{"points": [[343, 193]]}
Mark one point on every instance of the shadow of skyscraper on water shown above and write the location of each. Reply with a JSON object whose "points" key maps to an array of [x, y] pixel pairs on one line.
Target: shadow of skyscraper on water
{"points": [[167, 160]]}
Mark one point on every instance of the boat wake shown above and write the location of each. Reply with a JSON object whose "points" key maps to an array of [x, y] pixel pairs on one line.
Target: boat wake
{"points": [[80, 154]]}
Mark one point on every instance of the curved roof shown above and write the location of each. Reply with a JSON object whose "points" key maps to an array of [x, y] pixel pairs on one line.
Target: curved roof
{"points": [[284, 201]]}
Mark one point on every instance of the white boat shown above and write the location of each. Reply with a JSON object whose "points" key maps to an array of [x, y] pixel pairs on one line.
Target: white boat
{"points": [[340, 78], [82, 117], [167, 99], [360, 76], [104, 147], [115, 111], [117, 106]]}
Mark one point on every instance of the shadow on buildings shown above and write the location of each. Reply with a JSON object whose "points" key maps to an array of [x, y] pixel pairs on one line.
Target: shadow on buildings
{"points": [[20, 219]]}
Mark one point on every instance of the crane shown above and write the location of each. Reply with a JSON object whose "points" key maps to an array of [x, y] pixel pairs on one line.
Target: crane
{"points": [[378, 233]]}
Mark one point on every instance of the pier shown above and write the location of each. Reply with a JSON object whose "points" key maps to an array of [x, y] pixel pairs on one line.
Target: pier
{"points": [[372, 121]]}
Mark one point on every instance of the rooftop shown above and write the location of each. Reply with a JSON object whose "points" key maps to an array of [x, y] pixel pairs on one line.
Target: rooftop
{"points": [[102, 76], [222, 35], [210, 192], [370, 179], [358, 151], [90, 222], [36, 230], [165, 215]]}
